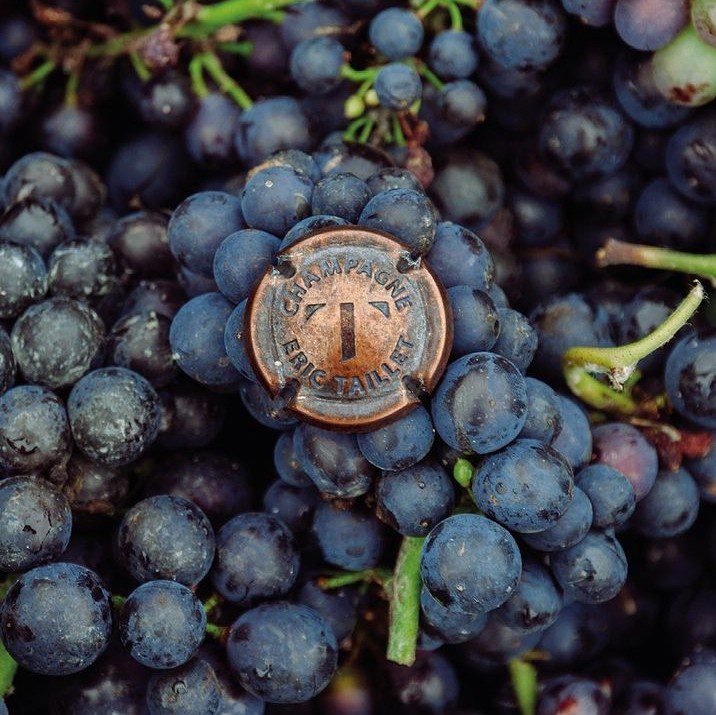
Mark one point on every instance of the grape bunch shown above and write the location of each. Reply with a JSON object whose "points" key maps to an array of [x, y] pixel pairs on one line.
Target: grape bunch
{"points": [[535, 534]]}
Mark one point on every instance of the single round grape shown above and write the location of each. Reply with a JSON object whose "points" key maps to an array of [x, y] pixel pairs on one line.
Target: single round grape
{"points": [[161, 296], [569, 529], [282, 652], [564, 322], [271, 124], [584, 134], [351, 539], [662, 217], [670, 507], [536, 602], [192, 416], [286, 462], [624, 448], [23, 277], [166, 537], [197, 339], [235, 343], [450, 625], [610, 492], [414, 500], [692, 690], [568, 691], [36, 223], [198, 226], [343, 195], [266, 410], [256, 559], [649, 24], [481, 403], [392, 177], [337, 606], [294, 506], [211, 479], [526, 487], [452, 54], [517, 340], [192, 688], [57, 341], [162, 624], [396, 33], [400, 444], [470, 563], [469, 190], [114, 414], [689, 376], [34, 431], [82, 269], [430, 685], [210, 135], [150, 168], [574, 439], [141, 240], [333, 461], [459, 257], [41, 176], [94, 491], [35, 523], [141, 343], [316, 64], [56, 619], [462, 103], [521, 34], [276, 198], [241, 260], [593, 570], [580, 632], [544, 416], [309, 225], [398, 86], [476, 324]]}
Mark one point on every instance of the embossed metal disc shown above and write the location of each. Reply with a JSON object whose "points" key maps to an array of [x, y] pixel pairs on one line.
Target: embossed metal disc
{"points": [[348, 328]]}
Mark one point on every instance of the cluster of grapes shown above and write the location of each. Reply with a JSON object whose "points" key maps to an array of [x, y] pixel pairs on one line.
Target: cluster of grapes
{"points": [[536, 535]]}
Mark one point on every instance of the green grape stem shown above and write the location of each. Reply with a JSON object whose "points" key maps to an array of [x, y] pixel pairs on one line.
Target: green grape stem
{"points": [[618, 363], [615, 253], [404, 615], [523, 676]]}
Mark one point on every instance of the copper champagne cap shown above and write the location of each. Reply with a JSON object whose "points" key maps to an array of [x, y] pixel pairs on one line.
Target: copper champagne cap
{"points": [[348, 328]]}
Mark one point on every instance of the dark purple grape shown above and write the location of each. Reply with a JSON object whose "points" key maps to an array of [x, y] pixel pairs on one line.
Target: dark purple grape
{"points": [[34, 431], [294, 506], [526, 487], [449, 563], [162, 624], [23, 277], [282, 653], [351, 539], [166, 537], [57, 341], [114, 415], [142, 243], [625, 449], [35, 523], [415, 499], [333, 462], [191, 688], [56, 619], [192, 416], [256, 559]]}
